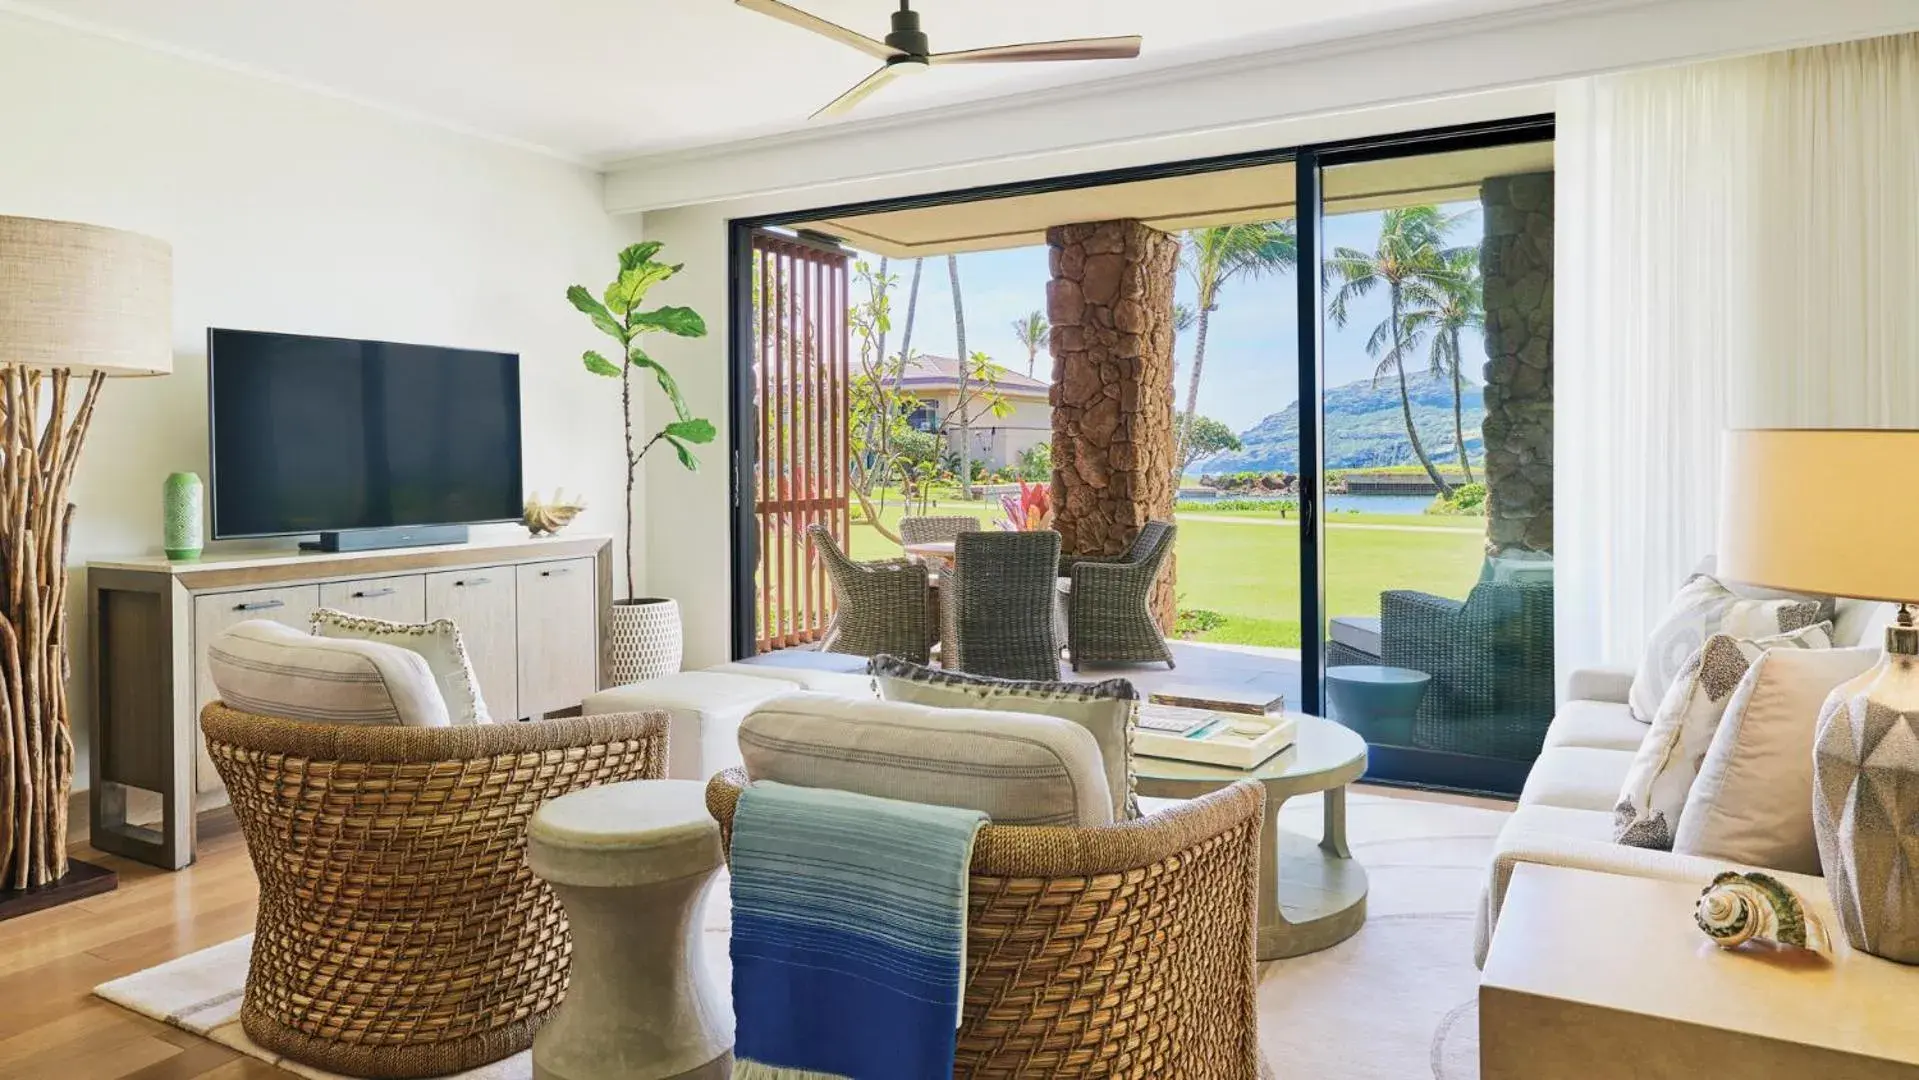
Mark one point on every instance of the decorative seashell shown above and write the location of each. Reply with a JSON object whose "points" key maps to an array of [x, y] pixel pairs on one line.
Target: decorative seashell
{"points": [[1737, 908], [551, 516]]}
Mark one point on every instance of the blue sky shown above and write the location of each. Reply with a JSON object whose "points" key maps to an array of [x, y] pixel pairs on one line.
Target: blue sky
{"points": [[1250, 370]]}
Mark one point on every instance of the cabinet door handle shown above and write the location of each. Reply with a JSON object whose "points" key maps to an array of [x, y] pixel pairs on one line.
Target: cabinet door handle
{"points": [[464, 582], [369, 594], [260, 605], [556, 573]]}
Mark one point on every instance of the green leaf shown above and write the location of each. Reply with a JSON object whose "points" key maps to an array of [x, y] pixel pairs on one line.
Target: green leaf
{"points": [[693, 431], [601, 317], [686, 455], [600, 365], [667, 383], [631, 287], [680, 321], [639, 253]]}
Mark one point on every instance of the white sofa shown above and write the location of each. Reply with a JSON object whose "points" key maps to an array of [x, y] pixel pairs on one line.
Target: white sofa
{"points": [[1565, 811]]}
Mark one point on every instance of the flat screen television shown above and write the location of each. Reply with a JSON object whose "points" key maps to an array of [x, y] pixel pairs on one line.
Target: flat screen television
{"points": [[328, 435]]}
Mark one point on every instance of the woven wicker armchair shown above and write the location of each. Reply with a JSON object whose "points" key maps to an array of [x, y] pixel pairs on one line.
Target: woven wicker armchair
{"points": [[879, 607], [1491, 662], [400, 932], [1109, 616], [1000, 605], [936, 528], [1118, 951]]}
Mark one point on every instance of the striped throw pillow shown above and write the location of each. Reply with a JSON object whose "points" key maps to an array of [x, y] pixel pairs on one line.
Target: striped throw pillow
{"points": [[269, 669]]}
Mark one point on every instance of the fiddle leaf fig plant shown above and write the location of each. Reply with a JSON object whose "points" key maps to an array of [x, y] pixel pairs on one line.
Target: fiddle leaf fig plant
{"points": [[617, 314]]}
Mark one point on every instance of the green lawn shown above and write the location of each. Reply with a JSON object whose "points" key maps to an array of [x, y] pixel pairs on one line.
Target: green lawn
{"points": [[1248, 570]]}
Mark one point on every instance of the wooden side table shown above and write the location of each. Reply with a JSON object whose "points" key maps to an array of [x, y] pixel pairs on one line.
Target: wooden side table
{"points": [[1605, 977]]}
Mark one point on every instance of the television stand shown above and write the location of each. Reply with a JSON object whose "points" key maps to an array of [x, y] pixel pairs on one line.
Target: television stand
{"points": [[376, 539]]}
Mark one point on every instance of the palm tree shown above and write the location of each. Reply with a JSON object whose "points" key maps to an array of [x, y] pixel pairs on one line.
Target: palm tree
{"points": [[959, 343], [1182, 318], [1031, 330], [1413, 265], [1458, 304], [912, 306], [1215, 256]]}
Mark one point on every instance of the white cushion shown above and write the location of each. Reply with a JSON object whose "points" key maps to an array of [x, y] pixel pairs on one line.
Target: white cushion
{"points": [[704, 710], [1108, 709], [1705, 606], [1018, 768], [1752, 800], [1359, 632], [269, 669], [1652, 800], [1577, 777], [438, 643], [1606, 725], [1862, 622], [843, 683]]}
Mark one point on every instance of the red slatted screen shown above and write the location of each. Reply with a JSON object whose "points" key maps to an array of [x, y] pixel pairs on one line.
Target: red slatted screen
{"points": [[801, 341]]}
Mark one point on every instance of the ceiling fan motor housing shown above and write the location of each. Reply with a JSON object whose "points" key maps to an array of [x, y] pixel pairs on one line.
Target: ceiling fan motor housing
{"points": [[907, 36]]}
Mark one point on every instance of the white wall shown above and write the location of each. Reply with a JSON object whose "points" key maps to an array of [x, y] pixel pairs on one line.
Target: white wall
{"points": [[296, 212]]}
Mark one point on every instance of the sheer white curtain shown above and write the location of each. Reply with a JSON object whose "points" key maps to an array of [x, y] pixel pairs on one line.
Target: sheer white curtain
{"points": [[1737, 245]]}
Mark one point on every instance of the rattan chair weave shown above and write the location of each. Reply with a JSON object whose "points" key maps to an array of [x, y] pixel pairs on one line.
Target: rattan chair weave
{"points": [[1491, 662], [400, 932], [879, 607], [1109, 616], [1118, 951], [1000, 605], [936, 528]]}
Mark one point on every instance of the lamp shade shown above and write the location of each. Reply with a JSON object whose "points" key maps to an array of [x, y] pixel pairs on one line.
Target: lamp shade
{"points": [[85, 297], [1827, 511]]}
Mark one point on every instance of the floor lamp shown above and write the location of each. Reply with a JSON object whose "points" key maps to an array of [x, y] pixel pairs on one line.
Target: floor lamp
{"points": [[78, 303]]}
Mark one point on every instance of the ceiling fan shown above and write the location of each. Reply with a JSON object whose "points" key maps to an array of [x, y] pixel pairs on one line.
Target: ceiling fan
{"points": [[906, 50]]}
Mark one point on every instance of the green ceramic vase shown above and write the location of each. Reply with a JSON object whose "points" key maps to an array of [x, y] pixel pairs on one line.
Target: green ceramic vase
{"points": [[183, 507]]}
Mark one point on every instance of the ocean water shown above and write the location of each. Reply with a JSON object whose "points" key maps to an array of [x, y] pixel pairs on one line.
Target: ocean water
{"points": [[1338, 504]]}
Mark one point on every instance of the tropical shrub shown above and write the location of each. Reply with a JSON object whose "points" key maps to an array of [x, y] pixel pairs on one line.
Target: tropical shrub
{"points": [[1036, 462]]}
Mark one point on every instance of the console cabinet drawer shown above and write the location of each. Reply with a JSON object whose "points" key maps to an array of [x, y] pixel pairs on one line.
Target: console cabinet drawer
{"points": [[395, 599], [481, 602], [559, 635]]}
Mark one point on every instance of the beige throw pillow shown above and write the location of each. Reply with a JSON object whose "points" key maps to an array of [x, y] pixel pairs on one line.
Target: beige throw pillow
{"points": [[1705, 606], [1653, 799], [268, 669], [437, 642], [1108, 709], [1752, 801]]}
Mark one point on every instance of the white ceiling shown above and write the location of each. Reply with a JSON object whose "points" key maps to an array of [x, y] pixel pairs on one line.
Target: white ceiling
{"points": [[602, 79]]}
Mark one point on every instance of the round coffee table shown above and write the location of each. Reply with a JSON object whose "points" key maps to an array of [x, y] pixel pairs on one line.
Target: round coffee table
{"points": [[1312, 893], [1377, 701], [632, 862]]}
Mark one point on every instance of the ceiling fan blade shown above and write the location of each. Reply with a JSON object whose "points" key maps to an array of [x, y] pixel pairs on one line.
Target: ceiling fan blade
{"points": [[1105, 48], [861, 90], [878, 50]]}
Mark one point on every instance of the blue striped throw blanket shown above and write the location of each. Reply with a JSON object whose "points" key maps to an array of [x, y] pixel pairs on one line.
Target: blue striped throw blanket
{"points": [[849, 934]]}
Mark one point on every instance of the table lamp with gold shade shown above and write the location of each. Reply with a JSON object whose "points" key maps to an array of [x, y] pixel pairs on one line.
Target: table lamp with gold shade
{"points": [[1837, 512], [78, 303]]}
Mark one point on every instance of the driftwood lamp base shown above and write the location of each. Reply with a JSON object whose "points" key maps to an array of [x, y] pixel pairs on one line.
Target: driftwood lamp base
{"points": [[82, 879]]}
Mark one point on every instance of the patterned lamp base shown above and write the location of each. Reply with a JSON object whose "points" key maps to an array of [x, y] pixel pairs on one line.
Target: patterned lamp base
{"points": [[184, 496], [1865, 800], [645, 641]]}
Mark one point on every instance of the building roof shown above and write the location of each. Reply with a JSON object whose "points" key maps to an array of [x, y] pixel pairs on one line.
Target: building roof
{"points": [[933, 373]]}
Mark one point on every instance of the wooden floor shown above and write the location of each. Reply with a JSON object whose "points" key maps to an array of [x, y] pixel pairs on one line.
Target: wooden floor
{"points": [[53, 1028]]}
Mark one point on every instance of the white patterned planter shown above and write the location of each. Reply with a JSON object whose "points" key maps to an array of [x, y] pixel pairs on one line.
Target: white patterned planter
{"points": [[644, 639]]}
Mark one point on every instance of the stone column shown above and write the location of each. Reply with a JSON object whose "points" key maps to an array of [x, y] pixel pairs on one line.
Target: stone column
{"points": [[1516, 264], [1111, 305]]}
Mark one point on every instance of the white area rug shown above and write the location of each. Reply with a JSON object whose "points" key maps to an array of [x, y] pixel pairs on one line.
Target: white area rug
{"points": [[1396, 1002]]}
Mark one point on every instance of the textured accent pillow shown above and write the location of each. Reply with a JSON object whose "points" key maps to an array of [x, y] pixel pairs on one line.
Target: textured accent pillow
{"points": [[1017, 768], [1108, 709], [269, 669], [437, 642], [1705, 606], [1752, 801], [1654, 796]]}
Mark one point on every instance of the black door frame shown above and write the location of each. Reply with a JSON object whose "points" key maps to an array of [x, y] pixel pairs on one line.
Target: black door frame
{"points": [[1388, 764]]}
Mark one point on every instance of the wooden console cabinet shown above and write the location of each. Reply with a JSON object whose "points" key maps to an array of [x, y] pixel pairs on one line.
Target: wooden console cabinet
{"points": [[531, 613]]}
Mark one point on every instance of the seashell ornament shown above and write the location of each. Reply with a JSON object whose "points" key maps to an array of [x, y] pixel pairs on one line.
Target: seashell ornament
{"points": [[1737, 908], [552, 516]]}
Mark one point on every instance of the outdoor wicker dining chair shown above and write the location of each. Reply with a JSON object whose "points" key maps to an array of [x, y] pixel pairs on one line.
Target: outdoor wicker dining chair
{"points": [[936, 528], [400, 932], [1106, 951], [880, 606], [1109, 615], [1000, 605]]}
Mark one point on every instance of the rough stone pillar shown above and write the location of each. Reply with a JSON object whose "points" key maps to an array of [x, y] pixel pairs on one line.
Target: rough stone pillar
{"points": [[1516, 264], [1111, 305]]}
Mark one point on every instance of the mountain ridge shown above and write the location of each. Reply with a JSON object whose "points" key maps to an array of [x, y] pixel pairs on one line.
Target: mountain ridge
{"points": [[1364, 428]]}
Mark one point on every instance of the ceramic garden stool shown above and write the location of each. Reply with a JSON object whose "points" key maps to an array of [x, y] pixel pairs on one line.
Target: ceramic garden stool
{"points": [[1377, 701], [632, 863]]}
